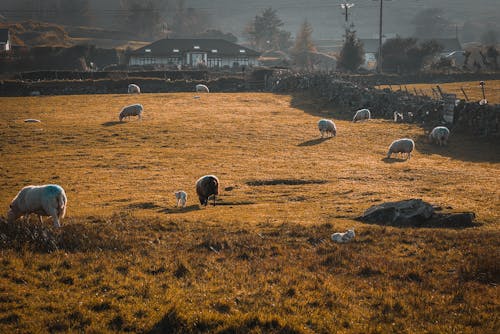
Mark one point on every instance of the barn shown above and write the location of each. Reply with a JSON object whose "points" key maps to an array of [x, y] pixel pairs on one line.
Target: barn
{"points": [[193, 53]]}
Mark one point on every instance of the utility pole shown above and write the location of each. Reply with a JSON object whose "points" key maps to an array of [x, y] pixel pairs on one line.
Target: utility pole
{"points": [[379, 60], [346, 6]]}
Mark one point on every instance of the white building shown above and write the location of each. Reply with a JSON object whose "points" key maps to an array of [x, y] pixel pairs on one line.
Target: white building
{"points": [[4, 40], [213, 53]]}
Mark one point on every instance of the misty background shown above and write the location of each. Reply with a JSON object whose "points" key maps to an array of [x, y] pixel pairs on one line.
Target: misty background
{"points": [[469, 20]]}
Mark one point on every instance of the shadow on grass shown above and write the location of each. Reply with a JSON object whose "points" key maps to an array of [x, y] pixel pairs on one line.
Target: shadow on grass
{"points": [[112, 123], [319, 107], [392, 160], [462, 147], [180, 209], [315, 141]]}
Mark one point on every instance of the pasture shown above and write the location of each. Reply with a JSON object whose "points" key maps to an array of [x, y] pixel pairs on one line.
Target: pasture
{"points": [[261, 260]]}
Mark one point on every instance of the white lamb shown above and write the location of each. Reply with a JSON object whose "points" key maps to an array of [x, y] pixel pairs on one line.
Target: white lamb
{"points": [[134, 89], [327, 126], [202, 88], [439, 135], [181, 197], [131, 110], [343, 237], [398, 117], [361, 114], [46, 200], [404, 145]]}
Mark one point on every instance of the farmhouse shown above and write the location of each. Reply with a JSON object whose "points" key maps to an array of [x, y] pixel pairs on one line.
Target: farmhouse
{"points": [[212, 53], [4, 40]]}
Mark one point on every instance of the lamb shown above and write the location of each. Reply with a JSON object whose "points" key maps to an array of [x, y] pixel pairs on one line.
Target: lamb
{"points": [[207, 186], [439, 135], [181, 197], [404, 145], [343, 237], [202, 88], [45, 200], [361, 115], [134, 89], [131, 110], [327, 126], [398, 117]]}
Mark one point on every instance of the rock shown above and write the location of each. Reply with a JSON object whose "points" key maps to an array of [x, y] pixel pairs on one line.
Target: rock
{"points": [[453, 220], [407, 212]]}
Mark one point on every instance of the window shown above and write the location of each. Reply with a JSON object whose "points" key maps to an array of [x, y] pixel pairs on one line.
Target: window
{"points": [[214, 62], [147, 50], [175, 50], [214, 51], [241, 60], [242, 51], [196, 47]]}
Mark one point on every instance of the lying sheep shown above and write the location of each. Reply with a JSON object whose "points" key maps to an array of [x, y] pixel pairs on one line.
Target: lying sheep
{"points": [[131, 110], [398, 117], [404, 145], [181, 197], [207, 186], [439, 135], [361, 115], [202, 88], [134, 89], [343, 237], [327, 126], [46, 200]]}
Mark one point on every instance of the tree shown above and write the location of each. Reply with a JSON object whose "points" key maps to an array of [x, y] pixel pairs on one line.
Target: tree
{"points": [[143, 18], [431, 23], [187, 22], [264, 31], [303, 46], [74, 12], [406, 55], [352, 54], [214, 33]]}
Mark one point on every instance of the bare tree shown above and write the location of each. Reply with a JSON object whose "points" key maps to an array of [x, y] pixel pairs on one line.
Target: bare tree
{"points": [[303, 46]]}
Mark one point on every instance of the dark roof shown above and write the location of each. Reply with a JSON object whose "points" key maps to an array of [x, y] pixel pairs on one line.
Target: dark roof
{"points": [[4, 35], [449, 44], [166, 46]]}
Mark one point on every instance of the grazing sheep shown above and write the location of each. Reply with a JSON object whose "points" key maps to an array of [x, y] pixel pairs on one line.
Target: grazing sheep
{"points": [[398, 117], [439, 135], [131, 110], [343, 237], [207, 186], [404, 145], [327, 126], [181, 197], [361, 114], [46, 200], [134, 89], [202, 88]]}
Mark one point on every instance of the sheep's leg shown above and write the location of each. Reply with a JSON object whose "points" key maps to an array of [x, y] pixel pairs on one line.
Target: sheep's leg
{"points": [[40, 219], [214, 200]]}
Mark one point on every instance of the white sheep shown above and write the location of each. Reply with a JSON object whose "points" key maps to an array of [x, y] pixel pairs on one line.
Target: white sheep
{"points": [[439, 135], [343, 237], [202, 88], [46, 200], [361, 114], [131, 110], [403, 145], [134, 89], [398, 117], [181, 197], [327, 126]]}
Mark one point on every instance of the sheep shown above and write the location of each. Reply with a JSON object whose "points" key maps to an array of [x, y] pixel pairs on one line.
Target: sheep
{"points": [[398, 117], [45, 200], [205, 187], [131, 110], [343, 237], [361, 114], [134, 89], [202, 88], [327, 126], [439, 135], [404, 145], [181, 197]]}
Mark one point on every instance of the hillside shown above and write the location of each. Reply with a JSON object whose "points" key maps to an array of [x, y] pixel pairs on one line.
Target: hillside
{"points": [[127, 260]]}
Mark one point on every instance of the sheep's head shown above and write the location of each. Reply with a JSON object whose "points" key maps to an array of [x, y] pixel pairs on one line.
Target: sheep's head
{"points": [[350, 233], [13, 213]]}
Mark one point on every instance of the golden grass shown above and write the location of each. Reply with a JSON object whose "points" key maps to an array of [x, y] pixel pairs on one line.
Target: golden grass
{"points": [[471, 88], [262, 260]]}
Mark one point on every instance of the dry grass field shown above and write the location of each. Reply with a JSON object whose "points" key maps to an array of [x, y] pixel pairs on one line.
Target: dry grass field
{"points": [[127, 260], [471, 88]]}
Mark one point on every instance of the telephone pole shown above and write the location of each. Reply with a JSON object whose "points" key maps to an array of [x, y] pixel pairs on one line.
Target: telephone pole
{"points": [[379, 59]]}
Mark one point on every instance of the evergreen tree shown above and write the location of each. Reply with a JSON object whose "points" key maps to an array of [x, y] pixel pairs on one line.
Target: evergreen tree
{"points": [[264, 31], [303, 46], [352, 54]]}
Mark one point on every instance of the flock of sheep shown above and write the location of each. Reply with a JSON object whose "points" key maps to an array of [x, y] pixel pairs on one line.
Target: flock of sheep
{"points": [[51, 200]]}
